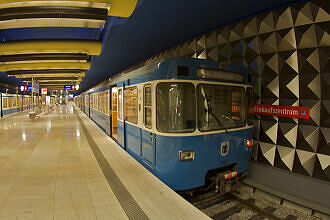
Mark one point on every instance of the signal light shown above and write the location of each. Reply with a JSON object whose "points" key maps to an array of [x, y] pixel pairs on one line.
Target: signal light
{"points": [[248, 143]]}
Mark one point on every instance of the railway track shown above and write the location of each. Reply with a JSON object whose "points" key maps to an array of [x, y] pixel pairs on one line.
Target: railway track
{"points": [[228, 206]]}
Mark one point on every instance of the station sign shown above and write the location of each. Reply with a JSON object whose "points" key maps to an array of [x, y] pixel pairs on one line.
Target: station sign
{"points": [[43, 91], [282, 111], [71, 87], [26, 88]]}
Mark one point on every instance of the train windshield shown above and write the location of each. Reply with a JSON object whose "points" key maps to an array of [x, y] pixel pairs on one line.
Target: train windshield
{"points": [[176, 107], [220, 107]]}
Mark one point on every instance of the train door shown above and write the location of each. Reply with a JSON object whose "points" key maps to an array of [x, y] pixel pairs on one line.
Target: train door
{"points": [[84, 103], [113, 113], [148, 137], [1, 113], [89, 105], [120, 117]]}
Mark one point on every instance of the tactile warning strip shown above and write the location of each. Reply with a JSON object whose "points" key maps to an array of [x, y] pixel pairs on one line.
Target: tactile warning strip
{"points": [[127, 202]]}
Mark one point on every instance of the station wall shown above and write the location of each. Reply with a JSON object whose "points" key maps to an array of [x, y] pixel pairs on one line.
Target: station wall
{"points": [[287, 52]]}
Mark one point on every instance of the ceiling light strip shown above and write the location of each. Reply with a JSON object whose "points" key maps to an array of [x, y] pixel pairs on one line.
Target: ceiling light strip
{"points": [[53, 12]]}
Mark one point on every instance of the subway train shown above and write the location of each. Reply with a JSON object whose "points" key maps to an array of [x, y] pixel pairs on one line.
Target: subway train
{"points": [[186, 120], [11, 103]]}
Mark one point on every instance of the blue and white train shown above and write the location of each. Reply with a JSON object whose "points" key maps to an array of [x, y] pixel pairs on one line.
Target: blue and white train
{"points": [[184, 119], [12, 103]]}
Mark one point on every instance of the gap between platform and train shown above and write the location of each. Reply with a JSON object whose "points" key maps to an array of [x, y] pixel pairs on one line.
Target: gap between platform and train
{"points": [[127, 202]]}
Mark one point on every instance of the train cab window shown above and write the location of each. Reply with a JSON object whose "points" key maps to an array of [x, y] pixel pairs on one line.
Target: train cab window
{"points": [[120, 104], [147, 106], [220, 107], [176, 107], [131, 104], [250, 102]]}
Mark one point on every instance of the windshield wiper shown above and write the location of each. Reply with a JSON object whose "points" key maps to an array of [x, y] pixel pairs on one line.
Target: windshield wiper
{"points": [[217, 119], [208, 109]]}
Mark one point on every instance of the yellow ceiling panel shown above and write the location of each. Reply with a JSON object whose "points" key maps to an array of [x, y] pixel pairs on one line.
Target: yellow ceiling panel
{"points": [[51, 75], [120, 8], [51, 46], [66, 3], [51, 22], [40, 66]]}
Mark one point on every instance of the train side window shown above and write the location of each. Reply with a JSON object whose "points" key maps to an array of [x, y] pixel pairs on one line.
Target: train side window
{"points": [[95, 101], [147, 106], [131, 104], [103, 103], [107, 102], [175, 107], [100, 101], [4, 102], [91, 100], [9, 102], [120, 104]]}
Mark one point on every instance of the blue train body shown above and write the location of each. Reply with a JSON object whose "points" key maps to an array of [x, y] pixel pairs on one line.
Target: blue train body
{"points": [[161, 152]]}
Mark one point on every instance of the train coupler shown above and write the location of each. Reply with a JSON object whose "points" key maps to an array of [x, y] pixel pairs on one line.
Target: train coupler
{"points": [[224, 181]]}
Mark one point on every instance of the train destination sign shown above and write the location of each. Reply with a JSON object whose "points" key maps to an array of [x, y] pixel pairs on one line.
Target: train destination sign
{"points": [[282, 111]]}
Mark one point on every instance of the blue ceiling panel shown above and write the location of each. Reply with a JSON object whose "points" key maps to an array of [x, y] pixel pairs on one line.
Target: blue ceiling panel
{"points": [[10, 80], [154, 26], [157, 25]]}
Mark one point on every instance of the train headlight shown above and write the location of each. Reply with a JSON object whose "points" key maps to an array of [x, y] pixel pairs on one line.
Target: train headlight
{"points": [[186, 155]]}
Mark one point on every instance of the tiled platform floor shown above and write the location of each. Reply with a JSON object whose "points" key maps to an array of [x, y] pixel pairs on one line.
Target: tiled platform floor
{"points": [[48, 171]]}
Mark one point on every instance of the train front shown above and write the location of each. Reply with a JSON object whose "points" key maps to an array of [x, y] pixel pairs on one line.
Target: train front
{"points": [[205, 131]]}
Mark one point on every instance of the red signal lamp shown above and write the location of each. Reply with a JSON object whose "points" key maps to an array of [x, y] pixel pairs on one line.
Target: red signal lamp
{"points": [[249, 143]]}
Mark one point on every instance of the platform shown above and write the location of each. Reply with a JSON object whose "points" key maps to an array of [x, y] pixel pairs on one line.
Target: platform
{"points": [[62, 166]]}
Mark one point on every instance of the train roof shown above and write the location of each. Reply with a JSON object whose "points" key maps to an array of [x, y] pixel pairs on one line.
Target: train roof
{"points": [[174, 68]]}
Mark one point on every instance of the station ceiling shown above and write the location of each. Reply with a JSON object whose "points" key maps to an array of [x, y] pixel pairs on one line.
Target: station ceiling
{"points": [[87, 41]]}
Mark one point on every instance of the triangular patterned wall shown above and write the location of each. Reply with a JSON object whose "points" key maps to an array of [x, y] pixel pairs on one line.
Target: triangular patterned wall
{"points": [[287, 52]]}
